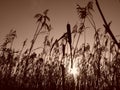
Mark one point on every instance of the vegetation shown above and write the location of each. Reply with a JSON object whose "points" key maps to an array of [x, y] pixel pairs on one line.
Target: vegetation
{"points": [[64, 63]]}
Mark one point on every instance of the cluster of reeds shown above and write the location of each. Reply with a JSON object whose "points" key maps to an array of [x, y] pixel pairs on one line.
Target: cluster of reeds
{"points": [[64, 63]]}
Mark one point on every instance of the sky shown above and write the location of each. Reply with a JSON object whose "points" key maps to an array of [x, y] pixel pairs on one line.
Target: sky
{"points": [[19, 15]]}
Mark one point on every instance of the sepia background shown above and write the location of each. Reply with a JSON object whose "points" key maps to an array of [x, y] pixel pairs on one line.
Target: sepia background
{"points": [[19, 15]]}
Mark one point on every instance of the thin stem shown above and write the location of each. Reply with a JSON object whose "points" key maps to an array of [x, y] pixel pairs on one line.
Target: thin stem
{"points": [[36, 30], [35, 37], [77, 41], [107, 28], [76, 44], [92, 22]]}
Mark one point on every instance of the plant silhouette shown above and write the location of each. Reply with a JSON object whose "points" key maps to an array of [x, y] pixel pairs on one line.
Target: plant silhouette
{"points": [[64, 63]]}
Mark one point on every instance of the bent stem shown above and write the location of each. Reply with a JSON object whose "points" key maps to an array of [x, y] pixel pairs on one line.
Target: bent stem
{"points": [[107, 28]]}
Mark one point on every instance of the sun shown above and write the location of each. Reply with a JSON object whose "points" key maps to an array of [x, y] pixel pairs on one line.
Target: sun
{"points": [[73, 71]]}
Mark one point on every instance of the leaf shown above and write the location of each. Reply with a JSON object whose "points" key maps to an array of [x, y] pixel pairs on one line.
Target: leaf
{"points": [[112, 45], [57, 44], [109, 23], [46, 38], [33, 55], [48, 43], [48, 27], [38, 15], [75, 28], [52, 39], [90, 5], [87, 47], [24, 42], [81, 28], [53, 45], [40, 19], [78, 6], [82, 12], [47, 18], [13, 34], [26, 51], [46, 11], [106, 42], [97, 33], [10, 37]]}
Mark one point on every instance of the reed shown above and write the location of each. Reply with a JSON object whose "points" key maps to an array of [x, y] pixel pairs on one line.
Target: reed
{"points": [[97, 65]]}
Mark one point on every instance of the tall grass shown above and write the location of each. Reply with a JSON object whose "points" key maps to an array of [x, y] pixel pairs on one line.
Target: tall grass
{"points": [[97, 65]]}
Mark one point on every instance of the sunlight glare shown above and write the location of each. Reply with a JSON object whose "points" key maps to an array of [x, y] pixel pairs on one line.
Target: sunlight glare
{"points": [[73, 71]]}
